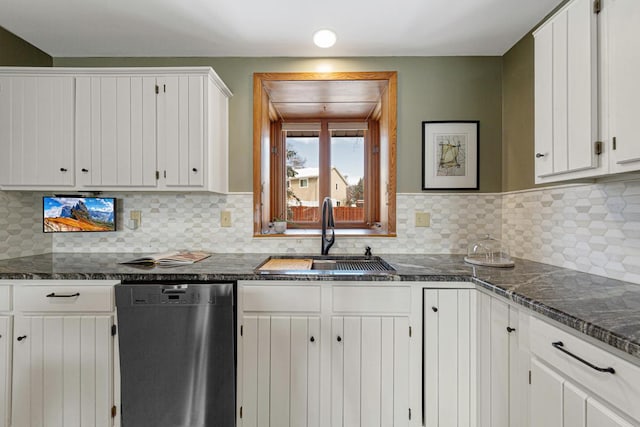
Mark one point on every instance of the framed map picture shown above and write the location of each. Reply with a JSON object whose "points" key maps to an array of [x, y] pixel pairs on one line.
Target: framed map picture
{"points": [[450, 155]]}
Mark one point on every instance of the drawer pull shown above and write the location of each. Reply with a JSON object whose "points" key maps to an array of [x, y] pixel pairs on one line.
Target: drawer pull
{"points": [[312, 339], [23, 337], [560, 346], [510, 329], [53, 295]]}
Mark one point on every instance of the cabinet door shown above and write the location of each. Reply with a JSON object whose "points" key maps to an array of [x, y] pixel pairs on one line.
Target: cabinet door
{"points": [[116, 131], [504, 354], [493, 347], [449, 358], [369, 371], [566, 93], [181, 131], [5, 377], [36, 131], [546, 396], [556, 402], [281, 371], [62, 371], [598, 415], [623, 35], [519, 366]]}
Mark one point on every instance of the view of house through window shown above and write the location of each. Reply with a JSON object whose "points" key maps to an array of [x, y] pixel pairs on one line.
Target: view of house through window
{"points": [[343, 174], [303, 161]]}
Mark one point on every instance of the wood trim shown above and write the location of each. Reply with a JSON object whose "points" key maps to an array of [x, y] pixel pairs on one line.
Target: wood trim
{"points": [[257, 153], [393, 142], [356, 75]]}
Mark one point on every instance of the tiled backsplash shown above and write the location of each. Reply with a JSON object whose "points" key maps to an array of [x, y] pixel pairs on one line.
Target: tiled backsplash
{"points": [[21, 225], [171, 221], [593, 228], [589, 227]]}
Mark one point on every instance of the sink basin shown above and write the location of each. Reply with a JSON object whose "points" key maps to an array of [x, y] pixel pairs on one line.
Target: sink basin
{"points": [[337, 264]]}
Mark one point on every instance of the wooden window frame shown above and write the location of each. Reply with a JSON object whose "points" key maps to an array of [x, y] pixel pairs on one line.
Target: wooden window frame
{"points": [[267, 135]]}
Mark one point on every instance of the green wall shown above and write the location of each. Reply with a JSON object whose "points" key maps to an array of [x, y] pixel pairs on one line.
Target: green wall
{"points": [[429, 88], [517, 116], [14, 51]]}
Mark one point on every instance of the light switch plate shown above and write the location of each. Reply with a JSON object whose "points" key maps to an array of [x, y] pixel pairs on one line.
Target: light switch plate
{"points": [[423, 219], [225, 219]]}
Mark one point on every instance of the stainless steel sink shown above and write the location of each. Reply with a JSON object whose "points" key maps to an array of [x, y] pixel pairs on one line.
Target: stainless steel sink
{"points": [[335, 265]]}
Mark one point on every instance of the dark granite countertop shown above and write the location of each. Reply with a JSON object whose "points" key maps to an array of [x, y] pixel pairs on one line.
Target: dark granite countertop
{"points": [[605, 309]]}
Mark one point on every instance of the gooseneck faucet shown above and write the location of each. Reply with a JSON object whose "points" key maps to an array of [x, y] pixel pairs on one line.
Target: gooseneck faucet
{"points": [[327, 222]]}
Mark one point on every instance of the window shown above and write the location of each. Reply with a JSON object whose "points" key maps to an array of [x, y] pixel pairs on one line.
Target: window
{"points": [[325, 135], [327, 159]]}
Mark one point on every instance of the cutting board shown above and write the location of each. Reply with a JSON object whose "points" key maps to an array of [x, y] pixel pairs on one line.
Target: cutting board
{"points": [[287, 264]]}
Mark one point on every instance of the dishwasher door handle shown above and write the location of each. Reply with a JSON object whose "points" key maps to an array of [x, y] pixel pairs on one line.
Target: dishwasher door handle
{"points": [[174, 291]]}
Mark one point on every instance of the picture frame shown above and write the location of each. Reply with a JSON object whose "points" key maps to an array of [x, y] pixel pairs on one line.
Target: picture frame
{"points": [[450, 158]]}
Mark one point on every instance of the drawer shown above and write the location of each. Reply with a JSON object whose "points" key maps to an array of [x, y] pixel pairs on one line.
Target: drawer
{"points": [[63, 298], [281, 298], [374, 299], [5, 298], [621, 389]]}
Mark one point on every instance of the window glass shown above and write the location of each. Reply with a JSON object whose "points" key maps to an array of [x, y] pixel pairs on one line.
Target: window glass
{"points": [[303, 161], [347, 176]]}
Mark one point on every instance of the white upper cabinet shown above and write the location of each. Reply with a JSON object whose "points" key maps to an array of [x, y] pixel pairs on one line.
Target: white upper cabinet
{"points": [[116, 131], [129, 128], [622, 68], [566, 101], [36, 131], [163, 129], [181, 130]]}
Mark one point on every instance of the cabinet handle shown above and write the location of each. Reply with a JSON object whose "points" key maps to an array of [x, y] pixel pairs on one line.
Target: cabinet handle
{"points": [[312, 339], [195, 169], [510, 329], [339, 338], [23, 337], [85, 170], [53, 295], [560, 346], [538, 155], [63, 169], [435, 309]]}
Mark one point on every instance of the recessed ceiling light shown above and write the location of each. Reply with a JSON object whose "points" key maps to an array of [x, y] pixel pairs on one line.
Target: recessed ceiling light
{"points": [[324, 38]]}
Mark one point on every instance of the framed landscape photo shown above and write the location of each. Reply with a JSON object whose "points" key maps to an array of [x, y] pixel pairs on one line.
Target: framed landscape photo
{"points": [[450, 155]]}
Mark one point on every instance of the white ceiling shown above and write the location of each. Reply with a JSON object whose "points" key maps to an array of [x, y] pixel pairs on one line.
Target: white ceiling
{"points": [[271, 27]]}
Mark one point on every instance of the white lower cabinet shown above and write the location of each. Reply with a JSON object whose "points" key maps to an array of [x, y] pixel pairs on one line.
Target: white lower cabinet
{"points": [[322, 355], [449, 363], [281, 370], [5, 370], [556, 401], [577, 384], [57, 354], [62, 371], [369, 371], [503, 347]]}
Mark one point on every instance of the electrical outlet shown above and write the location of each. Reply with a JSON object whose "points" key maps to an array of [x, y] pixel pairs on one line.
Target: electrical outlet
{"points": [[423, 219], [225, 219], [135, 215]]}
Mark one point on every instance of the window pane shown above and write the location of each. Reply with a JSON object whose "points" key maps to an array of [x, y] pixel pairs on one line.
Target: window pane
{"points": [[303, 160], [347, 176]]}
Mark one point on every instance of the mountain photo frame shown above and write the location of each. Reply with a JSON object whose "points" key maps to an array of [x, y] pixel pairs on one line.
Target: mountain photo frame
{"points": [[450, 155]]}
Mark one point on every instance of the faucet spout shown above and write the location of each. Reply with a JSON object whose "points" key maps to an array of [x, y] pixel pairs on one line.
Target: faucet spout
{"points": [[327, 222]]}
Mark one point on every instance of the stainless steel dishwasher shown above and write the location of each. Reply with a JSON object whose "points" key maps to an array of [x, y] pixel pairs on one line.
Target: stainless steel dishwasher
{"points": [[177, 354]]}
